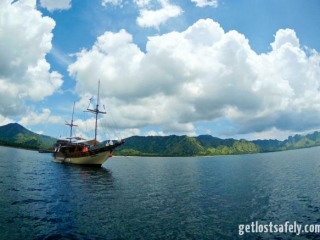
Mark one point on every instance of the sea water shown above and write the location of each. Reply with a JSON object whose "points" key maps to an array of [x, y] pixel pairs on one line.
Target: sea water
{"points": [[158, 198]]}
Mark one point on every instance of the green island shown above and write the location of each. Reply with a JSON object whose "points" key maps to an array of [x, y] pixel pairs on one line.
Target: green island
{"points": [[15, 135]]}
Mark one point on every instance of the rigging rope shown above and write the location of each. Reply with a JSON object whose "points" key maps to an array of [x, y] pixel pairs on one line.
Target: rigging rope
{"points": [[115, 125]]}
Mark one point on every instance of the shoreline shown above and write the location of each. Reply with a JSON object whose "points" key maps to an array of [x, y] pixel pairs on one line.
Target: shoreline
{"points": [[172, 156]]}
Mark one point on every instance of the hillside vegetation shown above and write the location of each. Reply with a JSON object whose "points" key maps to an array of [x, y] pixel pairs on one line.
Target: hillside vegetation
{"points": [[16, 135], [207, 145]]}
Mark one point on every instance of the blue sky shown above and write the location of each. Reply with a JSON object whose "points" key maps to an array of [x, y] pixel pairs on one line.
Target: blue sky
{"points": [[233, 69]]}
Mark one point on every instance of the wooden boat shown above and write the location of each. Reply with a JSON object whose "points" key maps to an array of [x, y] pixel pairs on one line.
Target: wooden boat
{"points": [[77, 150]]}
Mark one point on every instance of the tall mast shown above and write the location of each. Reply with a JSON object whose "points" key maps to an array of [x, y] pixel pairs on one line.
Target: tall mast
{"points": [[71, 124], [96, 111]]}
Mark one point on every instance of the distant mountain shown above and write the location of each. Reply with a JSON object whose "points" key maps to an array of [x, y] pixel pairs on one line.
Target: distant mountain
{"points": [[16, 135], [295, 142], [160, 146], [207, 145], [13, 134]]}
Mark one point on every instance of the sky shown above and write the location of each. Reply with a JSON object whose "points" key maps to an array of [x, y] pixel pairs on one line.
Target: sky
{"points": [[229, 68]]}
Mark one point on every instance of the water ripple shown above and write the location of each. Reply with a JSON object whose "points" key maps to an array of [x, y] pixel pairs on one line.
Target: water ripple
{"points": [[169, 198]]}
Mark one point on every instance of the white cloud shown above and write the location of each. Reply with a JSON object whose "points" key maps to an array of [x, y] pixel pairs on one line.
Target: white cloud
{"points": [[154, 18], [285, 37], [272, 133], [203, 74], [124, 134], [113, 2], [106, 129], [204, 3], [154, 133], [5, 120], [35, 118], [142, 3], [53, 5], [103, 61], [25, 39]]}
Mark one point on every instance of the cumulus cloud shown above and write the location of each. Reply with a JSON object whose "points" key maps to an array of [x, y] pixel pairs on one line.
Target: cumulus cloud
{"points": [[203, 74], [5, 120], [154, 18], [106, 129], [25, 39], [53, 5], [35, 118], [285, 37], [204, 3], [148, 16]]}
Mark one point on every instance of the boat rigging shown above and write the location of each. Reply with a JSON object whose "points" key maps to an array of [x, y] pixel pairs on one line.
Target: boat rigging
{"points": [[85, 152]]}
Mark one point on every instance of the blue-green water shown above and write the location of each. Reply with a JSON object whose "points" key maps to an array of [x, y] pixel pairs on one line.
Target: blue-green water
{"points": [[157, 198]]}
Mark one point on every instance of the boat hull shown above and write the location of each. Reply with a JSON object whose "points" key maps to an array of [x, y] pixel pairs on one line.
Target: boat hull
{"points": [[96, 159], [78, 153]]}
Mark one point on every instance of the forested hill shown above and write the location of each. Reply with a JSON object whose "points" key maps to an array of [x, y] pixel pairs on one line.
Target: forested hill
{"points": [[15, 135], [207, 145]]}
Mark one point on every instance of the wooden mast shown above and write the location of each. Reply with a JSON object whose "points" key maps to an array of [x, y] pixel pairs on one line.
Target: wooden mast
{"points": [[71, 124], [96, 111]]}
